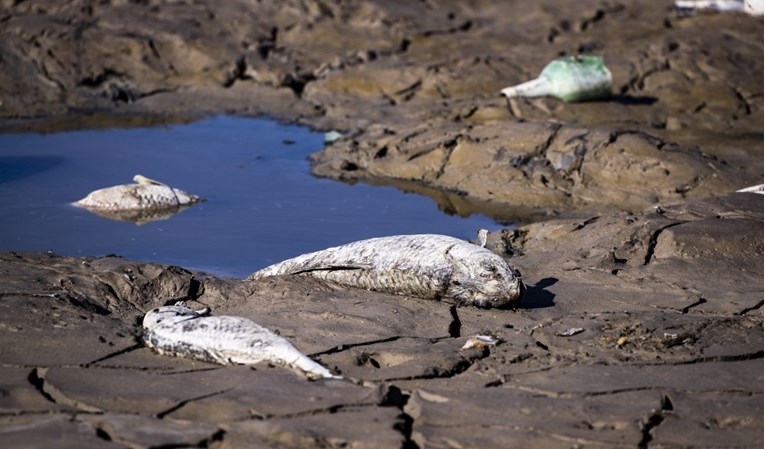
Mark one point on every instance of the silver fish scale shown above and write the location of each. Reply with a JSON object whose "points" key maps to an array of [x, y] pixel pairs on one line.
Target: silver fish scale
{"points": [[382, 254], [222, 339], [402, 282]]}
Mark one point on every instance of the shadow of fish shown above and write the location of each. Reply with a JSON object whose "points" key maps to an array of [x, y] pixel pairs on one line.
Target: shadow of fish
{"points": [[427, 266], [226, 340]]}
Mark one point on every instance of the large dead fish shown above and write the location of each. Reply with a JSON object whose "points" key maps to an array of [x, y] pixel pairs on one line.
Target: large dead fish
{"points": [[180, 331], [144, 201], [426, 266]]}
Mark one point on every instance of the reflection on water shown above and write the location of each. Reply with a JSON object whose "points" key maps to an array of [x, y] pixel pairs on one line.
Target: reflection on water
{"points": [[262, 205], [140, 216]]}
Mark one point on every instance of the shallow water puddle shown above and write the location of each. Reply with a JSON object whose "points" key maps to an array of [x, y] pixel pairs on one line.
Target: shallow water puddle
{"points": [[262, 204]]}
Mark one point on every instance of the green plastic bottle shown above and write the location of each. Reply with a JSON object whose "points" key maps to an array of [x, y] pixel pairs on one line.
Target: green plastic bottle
{"points": [[573, 78]]}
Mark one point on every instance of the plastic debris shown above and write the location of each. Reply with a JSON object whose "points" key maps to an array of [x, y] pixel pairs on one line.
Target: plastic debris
{"points": [[621, 341], [332, 136], [480, 341], [573, 78], [752, 7], [569, 332], [673, 339]]}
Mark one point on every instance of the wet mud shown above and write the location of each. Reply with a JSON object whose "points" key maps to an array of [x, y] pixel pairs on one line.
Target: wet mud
{"points": [[642, 323]]}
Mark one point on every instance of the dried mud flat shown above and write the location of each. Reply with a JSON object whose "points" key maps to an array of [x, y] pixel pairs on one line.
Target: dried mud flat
{"points": [[632, 234]]}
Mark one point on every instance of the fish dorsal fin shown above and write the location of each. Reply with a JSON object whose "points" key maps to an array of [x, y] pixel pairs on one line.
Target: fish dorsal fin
{"points": [[140, 179]]}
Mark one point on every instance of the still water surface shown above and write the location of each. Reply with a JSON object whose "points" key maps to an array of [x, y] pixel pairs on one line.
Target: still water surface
{"points": [[262, 205]]}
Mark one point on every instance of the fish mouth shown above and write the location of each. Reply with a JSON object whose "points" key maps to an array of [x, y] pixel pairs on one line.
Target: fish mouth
{"points": [[488, 302]]}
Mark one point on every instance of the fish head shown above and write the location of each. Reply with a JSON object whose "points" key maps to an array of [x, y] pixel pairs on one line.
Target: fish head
{"points": [[485, 280], [168, 315]]}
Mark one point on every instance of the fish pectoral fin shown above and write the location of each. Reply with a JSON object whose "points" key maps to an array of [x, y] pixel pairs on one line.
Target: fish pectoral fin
{"points": [[333, 268]]}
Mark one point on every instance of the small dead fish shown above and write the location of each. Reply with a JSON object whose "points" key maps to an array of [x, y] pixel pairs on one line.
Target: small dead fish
{"points": [[182, 332], [427, 266], [753, 189], [146, 194], [569, 332], [480, 341], [752, 7]]}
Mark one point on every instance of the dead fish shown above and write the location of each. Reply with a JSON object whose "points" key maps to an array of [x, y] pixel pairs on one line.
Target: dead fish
{"points": [[427, 266], [752, 7], [182, 332], [145, 194], [570, 332], [753, 189], [480, 341]]}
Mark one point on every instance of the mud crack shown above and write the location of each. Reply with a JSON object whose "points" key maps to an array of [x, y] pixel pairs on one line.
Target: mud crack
{"points": [[750, 309], [345, 347], [654, 420], [239, 73], [458, 368], [395, 397], [54, 395], [654, 239], [103, 432], [455, 327], [183, 403], [114, 354], [690, 306], [463, 27]]}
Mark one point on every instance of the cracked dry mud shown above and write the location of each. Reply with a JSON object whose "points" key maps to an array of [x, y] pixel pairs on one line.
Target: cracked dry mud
{"points": [[670, 354], [631, 236]]}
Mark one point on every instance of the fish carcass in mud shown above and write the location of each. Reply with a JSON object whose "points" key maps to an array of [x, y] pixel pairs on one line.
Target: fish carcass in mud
{"points": [[146, 200], [182, 332], [427, 266]]}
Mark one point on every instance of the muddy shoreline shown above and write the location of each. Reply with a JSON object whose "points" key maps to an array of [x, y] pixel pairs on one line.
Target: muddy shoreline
{"points": [[630, 230]]}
